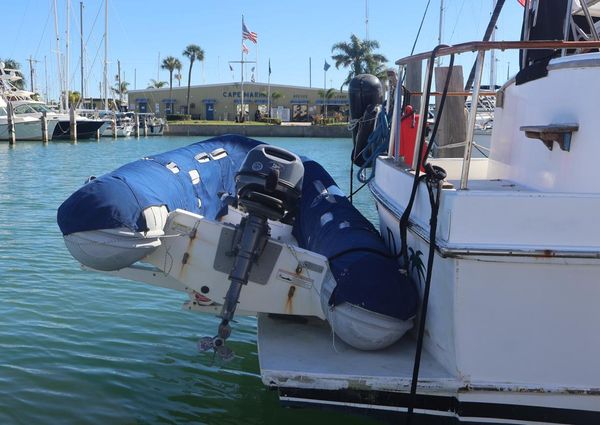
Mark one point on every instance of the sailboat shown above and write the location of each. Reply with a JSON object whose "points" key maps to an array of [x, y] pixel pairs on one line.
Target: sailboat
{"points": [[504, 251]]}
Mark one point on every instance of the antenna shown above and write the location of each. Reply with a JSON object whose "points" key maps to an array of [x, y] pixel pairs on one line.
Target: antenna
{"points": [[32, 72], [366, 19]]}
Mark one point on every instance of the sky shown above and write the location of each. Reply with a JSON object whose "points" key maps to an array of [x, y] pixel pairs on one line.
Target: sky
{"points": [[291, 34]]}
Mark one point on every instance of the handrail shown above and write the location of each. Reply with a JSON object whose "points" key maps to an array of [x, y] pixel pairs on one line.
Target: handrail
{"points": [[474, 46], [480, 47]]}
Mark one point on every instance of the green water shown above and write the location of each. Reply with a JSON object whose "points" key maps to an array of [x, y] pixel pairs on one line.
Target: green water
{"points": [[79, 347]]}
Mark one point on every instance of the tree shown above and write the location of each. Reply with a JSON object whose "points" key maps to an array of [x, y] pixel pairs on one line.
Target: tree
{"points": [[178, 78], [358, 55], [326, 95], [192, 52], [171, 64], [156, 84], [120, 89], [13, 65], [74, 97], [276, 95]]}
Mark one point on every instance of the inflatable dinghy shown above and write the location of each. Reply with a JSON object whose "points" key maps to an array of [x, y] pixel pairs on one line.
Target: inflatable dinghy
{"points": [[241, 224]]}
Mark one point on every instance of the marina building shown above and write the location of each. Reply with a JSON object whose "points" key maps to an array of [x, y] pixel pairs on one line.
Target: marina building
{"points": [[223, 101]]}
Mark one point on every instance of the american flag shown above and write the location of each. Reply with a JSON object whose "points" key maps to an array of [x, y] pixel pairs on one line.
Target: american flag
{"points": [[247, 34], [244, 48]]}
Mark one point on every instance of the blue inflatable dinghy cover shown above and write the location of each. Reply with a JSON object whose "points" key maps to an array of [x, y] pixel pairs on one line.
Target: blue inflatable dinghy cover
{"points": [[366, 274], [326, 223], [118, 198]]}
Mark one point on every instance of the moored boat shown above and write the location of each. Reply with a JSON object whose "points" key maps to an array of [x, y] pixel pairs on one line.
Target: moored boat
{"points": [[504, 249], [314, 256]]}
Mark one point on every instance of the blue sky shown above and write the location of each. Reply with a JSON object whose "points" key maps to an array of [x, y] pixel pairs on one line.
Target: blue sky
{"points": [[289, 33]]}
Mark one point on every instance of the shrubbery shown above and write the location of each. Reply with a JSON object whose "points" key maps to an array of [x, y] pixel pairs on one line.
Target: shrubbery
{"points": [[268, 120], [179, 117]]}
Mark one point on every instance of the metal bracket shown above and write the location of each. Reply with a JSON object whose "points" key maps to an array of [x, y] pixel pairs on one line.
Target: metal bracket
{"points": [[548, 134]]}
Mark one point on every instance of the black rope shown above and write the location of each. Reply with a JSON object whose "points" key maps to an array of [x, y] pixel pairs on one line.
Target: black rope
{"points": [[433, 179], [351, 179], [406, 215]]}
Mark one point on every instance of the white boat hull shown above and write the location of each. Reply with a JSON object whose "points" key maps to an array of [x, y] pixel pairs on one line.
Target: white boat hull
{"points": [[27, 130]]}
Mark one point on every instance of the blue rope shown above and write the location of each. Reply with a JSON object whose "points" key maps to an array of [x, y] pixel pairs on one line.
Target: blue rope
{"points": [[376, 145]]}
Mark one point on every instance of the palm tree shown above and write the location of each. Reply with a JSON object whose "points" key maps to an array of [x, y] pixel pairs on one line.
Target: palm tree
{"points": [[120, 89], [171, 64], [359, 57], [156, 84], [178, 78], [326, 95], [192, 52], [276, 95], [74, 97]]}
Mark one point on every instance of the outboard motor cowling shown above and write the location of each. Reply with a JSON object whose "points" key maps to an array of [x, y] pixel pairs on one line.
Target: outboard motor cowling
{"points": [[364, 90], [269, 183], [365, 93]]}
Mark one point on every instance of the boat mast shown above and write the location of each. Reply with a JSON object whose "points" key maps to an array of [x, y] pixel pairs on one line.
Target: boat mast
{"points": [[440, 31], [493, 54], [68, 37], [46, 78], [366, 20], [81, 47], [105, 77], [58, 61]]}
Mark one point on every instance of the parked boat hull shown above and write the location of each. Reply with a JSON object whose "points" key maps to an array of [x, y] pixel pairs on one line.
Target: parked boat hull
{"points": [[86, 129], [28, 130]]}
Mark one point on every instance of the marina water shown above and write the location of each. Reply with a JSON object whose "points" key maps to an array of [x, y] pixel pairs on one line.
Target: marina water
{"points": [[79, 347]]}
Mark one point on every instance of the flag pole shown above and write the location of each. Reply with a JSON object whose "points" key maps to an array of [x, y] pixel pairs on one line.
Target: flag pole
{"points": [[325, 89], [269, 91], [242, 111]]}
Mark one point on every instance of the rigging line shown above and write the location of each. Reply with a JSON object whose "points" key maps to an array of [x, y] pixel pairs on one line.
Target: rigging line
{"points": [[94, 23], [43, 33], [18, 36], [420, 27], [457, 19]]}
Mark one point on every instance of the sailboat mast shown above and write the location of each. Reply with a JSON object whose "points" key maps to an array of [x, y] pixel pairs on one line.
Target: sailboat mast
{"points": [[440, 30], [105, 77], [366, 19], [493, 54], [81, 47], [58, 61]]}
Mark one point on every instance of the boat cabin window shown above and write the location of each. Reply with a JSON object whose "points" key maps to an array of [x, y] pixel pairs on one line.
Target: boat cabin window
{"points": [[39, 107], [3, 112], [23, 109]]}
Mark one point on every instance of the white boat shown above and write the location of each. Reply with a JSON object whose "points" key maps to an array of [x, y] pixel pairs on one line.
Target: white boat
{"points": [[118, 124], [150, 124], [26, 128], [504, 250], [27, 108]]}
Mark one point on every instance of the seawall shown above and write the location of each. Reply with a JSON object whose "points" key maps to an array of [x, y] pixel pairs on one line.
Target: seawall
{"points": [[331, 131]]}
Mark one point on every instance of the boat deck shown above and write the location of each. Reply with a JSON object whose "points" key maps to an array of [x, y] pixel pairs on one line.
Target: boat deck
{"points": [[295, 354]]}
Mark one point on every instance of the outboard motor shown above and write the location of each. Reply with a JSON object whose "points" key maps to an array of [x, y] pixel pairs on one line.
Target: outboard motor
{"points": [[366, 93], [268, 187]]}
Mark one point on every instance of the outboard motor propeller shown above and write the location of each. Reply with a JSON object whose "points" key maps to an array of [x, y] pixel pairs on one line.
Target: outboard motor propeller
{"points": [[268, 187], [366, 93]]}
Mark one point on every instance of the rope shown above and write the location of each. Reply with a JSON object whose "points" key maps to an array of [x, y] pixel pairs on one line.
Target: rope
{"points": [[376, 145]]}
